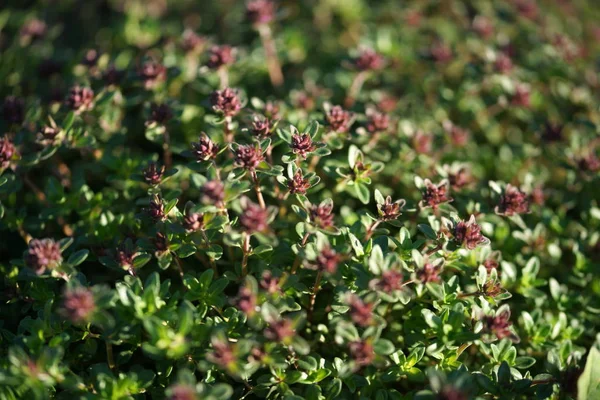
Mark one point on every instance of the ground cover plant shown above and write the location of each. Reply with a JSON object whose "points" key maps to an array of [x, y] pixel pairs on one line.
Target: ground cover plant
{"points": [[299, 199]]}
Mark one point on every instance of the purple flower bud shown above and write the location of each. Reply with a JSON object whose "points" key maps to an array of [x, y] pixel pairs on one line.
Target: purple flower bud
{"points": [[527, 8], [451, 393], [538, 196], [78, 305], [389, 282], [491, 264], [191, 42], [304, 101], [339, 120], [458, 136], [124, 257], [322, 215], [156, 209], [513, 201], [226, 102], [223, 354], [483, 26], [298, 184], [152, 73], [328, 260], [261, 127], [43, 254], [248, 157], [589, 163], [90, 58], [153, 174], [422, 142], [7, 152], [499, 325], [13, 110], [360, 312], [160, 113], [460, 179], [441, 53], [390, 210], [112, 76], [34, 29], [521, 97], [434, 195], [254, 218], [260, 11], [469, 234], [377, 121], [219, 56], [192, 221], [369, 60], [362, 352], [387, 104], [552, 132], [205, 149], [182, 392], [281, 331], [246, 301], [161, 243], [492, 288], [80, 99], [503, 63], [270, 283], [429, 273], [302, 144], [47, 135], [272, 110], [213, 192]]}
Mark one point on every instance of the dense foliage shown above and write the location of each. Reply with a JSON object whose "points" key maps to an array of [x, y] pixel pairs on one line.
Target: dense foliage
{"points": [[310, 199]]}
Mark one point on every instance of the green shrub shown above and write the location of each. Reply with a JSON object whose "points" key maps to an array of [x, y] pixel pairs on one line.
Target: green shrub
{"points": [[299, 200]]}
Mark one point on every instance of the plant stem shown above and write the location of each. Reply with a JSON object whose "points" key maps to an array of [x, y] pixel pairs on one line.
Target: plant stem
{"points": [[167, 156], [313, 296], [223, 77], [26, 236], [436, 248], [357, 84], [261, 200], [227, 131], [213, 265], [298, 259], [371, 228], [110, 356], [462, 348], [246, 252], [270, 48], [178, 262]]}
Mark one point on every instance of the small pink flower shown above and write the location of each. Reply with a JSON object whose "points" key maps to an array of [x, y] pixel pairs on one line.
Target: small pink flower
{"points": [[513, 201], [469, 234], [226, 102]]}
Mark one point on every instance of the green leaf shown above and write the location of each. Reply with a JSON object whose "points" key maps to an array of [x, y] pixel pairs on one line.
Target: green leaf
{"points": [[362, 192], [214, 252], [588, 385], [68, 121], [78, 257], [263, 248], [312, 129], [356, 245], [383, 347], [427, 231], [141, 260]]}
